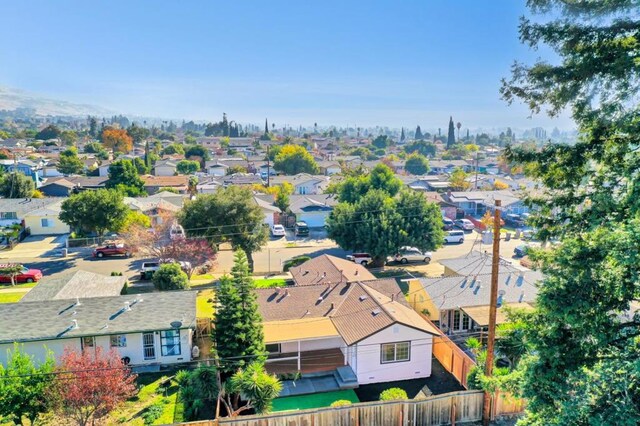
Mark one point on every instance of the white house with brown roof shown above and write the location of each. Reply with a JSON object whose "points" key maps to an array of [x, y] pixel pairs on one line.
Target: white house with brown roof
{"points": [[364, 331], [327, 269]]}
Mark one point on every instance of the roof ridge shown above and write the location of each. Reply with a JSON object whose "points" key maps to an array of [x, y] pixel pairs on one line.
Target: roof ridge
{"points": [[342, 300], [369, 291]]}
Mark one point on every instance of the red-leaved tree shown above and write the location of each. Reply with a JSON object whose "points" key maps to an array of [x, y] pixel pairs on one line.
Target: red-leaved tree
{"points": [[91, 384], [193, 253]]}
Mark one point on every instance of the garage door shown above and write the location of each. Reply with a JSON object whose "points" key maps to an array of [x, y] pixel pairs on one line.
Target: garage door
{"points": [[314, 220]]}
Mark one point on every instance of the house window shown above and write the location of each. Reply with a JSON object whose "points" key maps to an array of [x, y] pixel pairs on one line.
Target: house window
{"points": [[47, 223], [273, 348], [8, 215], [170, 342], [119, 341], [394, 352], [88, 342]]}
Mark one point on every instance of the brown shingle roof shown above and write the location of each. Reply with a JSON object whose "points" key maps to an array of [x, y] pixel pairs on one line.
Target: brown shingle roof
{"points": [[165, 180], [329, 269], [357, 309]]}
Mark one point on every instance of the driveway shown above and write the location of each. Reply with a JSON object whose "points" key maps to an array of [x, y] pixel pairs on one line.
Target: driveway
{"points": [[36, 247]]}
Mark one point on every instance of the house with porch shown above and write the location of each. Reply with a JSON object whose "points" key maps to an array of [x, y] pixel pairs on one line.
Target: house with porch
{"points": [[458, 302], [152, 329], [357, 332]]}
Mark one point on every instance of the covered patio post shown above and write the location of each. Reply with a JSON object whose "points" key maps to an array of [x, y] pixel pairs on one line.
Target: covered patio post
{"points": [[299, 355]]}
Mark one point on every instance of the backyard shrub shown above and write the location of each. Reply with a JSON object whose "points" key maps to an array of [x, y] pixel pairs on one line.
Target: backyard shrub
{"points": [[294, 262], [152, 413], [393, 394], [340, 403], [116, 274], [170, 277]]}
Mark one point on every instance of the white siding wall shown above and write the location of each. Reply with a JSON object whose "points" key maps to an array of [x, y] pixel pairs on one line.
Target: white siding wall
{"points": [[312, 345], [133, 350], [369, 369], [56, 226]]}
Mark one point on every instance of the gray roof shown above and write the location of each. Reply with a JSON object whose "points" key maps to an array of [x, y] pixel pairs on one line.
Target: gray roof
{"points": [[313, 202], [477, 263], [22, 206], [486, 197], [52, 319], [80, 284]]}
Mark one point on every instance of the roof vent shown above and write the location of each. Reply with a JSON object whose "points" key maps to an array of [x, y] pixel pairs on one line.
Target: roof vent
{"points": [[307, 313], [78, 301], [320, 299], [139, 298], [286, 293], [277, 290], [127, 306], [363, 298], [324, 275], [376, 312], [357, 272], [75, 325]]}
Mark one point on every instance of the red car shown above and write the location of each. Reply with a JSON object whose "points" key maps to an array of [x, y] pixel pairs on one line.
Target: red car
{"points": [[112, 250], [25, 276]]}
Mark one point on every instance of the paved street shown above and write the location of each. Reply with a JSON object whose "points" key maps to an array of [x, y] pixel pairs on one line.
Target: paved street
{"points": [[42, 255]]}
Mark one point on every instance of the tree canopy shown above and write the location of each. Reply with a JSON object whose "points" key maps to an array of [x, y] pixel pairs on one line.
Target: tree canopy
{"points": [[458, 180], [417, 164], [230, 215], [187, 167], [117, 140], [95, 211], [50, 132], [294, 159], [123, 175], [16, 185], [422, 147], [69, 163]]}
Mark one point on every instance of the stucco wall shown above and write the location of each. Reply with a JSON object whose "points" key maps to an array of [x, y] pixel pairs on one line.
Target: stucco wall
{"points": [[35, 224], [370, 369]]}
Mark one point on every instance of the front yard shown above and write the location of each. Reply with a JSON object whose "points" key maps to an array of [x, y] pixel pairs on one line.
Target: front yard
{"points": [[316, 400], [11, 297]]}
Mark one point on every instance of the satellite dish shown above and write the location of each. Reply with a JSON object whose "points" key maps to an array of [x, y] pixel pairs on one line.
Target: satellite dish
{"points": [[176, 324]]}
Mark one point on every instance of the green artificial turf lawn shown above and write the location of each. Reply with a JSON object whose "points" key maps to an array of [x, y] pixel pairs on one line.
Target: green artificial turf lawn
{"points": [[316, 400], [269, 282], [11, 297]]}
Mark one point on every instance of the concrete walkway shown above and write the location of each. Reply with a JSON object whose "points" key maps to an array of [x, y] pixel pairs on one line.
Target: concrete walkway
{"points": [[12, 289]]}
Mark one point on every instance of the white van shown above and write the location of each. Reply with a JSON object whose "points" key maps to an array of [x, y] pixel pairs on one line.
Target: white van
{"points": [[454, 237]]}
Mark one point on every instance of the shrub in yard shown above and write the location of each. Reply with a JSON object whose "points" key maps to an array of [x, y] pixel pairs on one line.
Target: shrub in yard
{"points": [[152, 413], [340, 403], [393, 394], [294, 262], [116, 274], [170, 277]]}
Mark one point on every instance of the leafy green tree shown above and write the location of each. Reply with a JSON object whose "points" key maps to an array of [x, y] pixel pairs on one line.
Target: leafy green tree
{"points": [[24, 386], [123, 175], [458, 180], [282, 199], [12, 270], [137, 133], [294, 159], [16, 185], [197, 151], [380, 223], [381, 177], [97, 149], [417, 164], [69, 163], [230, 215], [141, 166], [238, 334], [381, 142], [582, 367], [170, 277], [257, 388], [426, 148], [50, 132], [174, 148], [418, 136], [95, 211], [236, 168], [69, 137], [187, 167]]}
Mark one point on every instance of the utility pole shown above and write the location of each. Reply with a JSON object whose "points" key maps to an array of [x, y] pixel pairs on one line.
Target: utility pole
{"points": [[477, 163], [268, 168], [495, 264]]}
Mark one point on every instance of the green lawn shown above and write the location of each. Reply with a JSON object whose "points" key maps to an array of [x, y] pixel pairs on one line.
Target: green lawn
{"points": [[23, 285], [204, 309], [149, 394], [202, 277], [316, 400], [11, 297], [269, 282]]}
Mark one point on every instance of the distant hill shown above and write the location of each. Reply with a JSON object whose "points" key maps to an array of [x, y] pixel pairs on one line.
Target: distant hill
{"points": [[11, 99]]}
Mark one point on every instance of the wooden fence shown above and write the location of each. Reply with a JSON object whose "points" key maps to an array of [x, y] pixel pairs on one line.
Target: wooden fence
{"points": [[465, 406]]}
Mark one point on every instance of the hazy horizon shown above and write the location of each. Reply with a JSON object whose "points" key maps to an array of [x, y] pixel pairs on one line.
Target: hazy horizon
{"points": [[382, 64]]}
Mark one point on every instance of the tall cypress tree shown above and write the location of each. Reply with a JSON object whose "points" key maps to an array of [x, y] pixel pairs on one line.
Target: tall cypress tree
{"points": [[418, 135], [451, 137], [147, 158], [238, 334], [266, 127], [402, 137]]}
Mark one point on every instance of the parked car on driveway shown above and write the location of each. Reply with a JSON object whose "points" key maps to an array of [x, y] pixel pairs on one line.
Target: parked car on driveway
{"points": [[521, 250], [26, 275], [112, 250], [465, 224], [302, 230], [360, 258], [278, 231], [514, 220], [447, 224], [147, 270], [454, 237], [412, 254]]}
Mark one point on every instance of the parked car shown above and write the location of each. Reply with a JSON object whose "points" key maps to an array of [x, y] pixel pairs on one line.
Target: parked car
{"points": [[301, 229], [412, 254], [360, 258], [465, 224], [26, 275], [112, 250], [514, 220], [147, 269], [521, 250], [278, 231], [447, 224], [454, 237]]}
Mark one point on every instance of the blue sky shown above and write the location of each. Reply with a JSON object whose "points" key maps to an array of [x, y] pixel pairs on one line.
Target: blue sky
{"points": [[391, 63]]}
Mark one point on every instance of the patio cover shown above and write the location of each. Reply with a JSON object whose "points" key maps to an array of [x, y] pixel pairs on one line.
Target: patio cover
{"points": [[480, 314], [299, 329]]}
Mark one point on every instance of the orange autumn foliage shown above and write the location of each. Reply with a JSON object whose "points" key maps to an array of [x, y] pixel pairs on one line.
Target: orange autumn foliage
{"points": [[117, 140]]}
